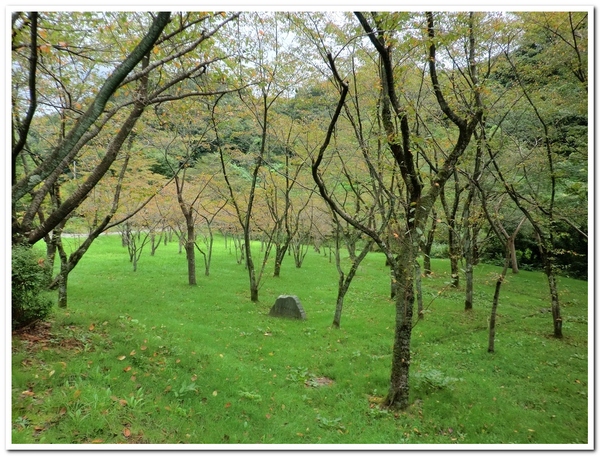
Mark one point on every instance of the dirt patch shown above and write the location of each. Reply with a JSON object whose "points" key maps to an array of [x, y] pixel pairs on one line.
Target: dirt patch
{"points": [[316, 382], [38, 336]]}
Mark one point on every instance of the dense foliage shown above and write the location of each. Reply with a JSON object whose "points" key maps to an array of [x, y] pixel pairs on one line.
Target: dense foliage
{"points": [[30, 277]]}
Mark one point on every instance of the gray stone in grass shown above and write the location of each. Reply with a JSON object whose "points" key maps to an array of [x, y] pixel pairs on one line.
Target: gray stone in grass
{"points": [[288, 306]]}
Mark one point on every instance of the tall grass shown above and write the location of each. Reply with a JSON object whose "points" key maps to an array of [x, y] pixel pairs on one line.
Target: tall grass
{"points": [[142, 357]]}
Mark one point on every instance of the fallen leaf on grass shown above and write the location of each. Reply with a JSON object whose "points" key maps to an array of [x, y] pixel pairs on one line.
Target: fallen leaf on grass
{"points": [[28, 393], [92, 326], [121, 358], [127, 432], [228, 405], [132, 353], [127, 369]]}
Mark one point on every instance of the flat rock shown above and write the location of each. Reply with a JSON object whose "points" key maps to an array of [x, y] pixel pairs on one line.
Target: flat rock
{"points": [[288, 306]]}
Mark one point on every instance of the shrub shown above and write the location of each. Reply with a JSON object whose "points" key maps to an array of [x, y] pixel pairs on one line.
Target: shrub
{"points": [[30, 277], [439, 250]]}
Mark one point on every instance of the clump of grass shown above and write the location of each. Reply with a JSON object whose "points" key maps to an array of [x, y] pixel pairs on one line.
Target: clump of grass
{"points": [[144, 358]]}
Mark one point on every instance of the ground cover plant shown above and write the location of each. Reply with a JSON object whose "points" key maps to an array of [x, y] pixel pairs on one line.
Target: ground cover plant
{"points": [[142, 357]]}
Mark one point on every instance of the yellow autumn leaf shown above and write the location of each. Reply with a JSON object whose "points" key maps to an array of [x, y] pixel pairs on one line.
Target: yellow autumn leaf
{"points": [[121, 358]]}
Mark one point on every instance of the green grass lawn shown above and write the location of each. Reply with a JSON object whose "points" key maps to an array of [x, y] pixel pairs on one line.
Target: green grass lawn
{"points": [[142, 357]]}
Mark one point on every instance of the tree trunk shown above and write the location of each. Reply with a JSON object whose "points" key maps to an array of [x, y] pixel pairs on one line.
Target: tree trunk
{"points": [[492, 333], [549, 271], [454, 252], [513, 254], [61, 279], [468, 268], [426, 247], [419, 290], [62, 288], [190, 253], [557, 319], [280, 250], [339, 304], [211, 241], [398, 395]]}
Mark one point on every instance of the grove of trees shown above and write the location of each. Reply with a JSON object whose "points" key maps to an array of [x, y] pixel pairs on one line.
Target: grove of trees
{"points": [[462, 135]]}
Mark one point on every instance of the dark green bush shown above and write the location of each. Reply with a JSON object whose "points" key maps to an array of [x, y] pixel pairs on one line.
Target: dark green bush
{"points": [[30, 278]]}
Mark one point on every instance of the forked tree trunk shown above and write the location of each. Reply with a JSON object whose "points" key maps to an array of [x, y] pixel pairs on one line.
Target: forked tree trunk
{"points": [[280, 251], [345, 280]]}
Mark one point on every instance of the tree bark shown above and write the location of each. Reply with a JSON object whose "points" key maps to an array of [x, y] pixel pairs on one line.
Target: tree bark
{"points": [[398, 394]]}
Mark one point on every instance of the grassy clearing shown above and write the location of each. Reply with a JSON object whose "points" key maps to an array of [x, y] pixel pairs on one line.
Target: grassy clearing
{"points": [[144, 358]]}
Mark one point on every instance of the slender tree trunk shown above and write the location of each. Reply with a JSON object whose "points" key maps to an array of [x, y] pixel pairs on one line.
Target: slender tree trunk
{"points": [[499, 281], [513, 254], [210, 251], [190, 250], [345, 280], [63, 275], [468, 268], [419, 290], [426, 247], [557, 319], [469, 282], [549, 271], [454, 251]]}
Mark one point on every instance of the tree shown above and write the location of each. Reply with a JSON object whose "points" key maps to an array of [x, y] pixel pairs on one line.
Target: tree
{"points": [[266, 60], [537, 186], [47, 170], [419, 200], [45, 84]]}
